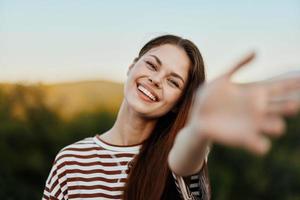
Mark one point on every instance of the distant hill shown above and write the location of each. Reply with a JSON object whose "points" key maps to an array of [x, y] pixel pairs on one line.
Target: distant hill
{"points": [[71, 98]]}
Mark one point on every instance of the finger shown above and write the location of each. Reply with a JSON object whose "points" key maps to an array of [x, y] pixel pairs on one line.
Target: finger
{"points": [[272, 125], [285, 76], [285, 107], [257, 144], [284, 86], [240, 64]]}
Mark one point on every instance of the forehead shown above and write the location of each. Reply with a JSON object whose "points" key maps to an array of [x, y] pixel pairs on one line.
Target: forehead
{"points": [[173, 58]]}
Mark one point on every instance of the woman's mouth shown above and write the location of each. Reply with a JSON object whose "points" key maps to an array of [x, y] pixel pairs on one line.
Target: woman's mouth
{"points": [[147, 93]]}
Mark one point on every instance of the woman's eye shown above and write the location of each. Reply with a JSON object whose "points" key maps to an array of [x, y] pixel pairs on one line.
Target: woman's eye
{"points": [[174, 83], [150, 65]]}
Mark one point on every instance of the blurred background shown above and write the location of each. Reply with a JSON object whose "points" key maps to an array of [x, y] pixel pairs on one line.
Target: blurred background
{"points": [[63, 64]]}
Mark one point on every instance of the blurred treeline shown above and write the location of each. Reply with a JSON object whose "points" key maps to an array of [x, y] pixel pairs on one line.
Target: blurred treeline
{"points": [[31, 134]]}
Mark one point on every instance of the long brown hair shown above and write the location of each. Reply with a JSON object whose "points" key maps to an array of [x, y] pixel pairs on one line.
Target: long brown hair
{"points": [[150, 176]]}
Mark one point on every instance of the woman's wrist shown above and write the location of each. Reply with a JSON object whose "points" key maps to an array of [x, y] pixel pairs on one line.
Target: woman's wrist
{"points": [[200, 132], [189, 151]]}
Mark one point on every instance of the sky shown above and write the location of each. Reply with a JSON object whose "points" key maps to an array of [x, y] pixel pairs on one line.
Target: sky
{"points": [[72, 40]]}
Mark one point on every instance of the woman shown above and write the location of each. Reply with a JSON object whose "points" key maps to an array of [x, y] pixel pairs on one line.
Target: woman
{"points": [[158, 146]]}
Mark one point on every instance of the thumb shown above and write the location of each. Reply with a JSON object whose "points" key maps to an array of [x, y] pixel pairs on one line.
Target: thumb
{"points": [[248, 58]]}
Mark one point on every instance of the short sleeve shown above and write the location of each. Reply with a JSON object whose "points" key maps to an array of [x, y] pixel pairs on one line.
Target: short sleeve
{"points": [[55, 187], [194, 187]]}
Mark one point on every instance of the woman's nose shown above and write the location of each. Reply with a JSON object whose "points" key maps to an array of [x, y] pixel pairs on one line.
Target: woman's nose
{"points": [[155, 80]]}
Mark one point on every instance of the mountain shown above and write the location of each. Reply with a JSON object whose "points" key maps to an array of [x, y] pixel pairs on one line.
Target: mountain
{"points": [[72, 98]]}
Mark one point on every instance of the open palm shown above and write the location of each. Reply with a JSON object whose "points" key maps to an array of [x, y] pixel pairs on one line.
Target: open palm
{"points": [[244, 115]]}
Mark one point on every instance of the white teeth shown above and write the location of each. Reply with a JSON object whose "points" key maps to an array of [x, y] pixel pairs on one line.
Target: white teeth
{"points": [[146, 92]]}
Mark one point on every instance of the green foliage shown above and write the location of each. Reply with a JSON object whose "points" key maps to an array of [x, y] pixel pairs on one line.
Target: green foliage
{"points": [[236, 174], [31, 137]]}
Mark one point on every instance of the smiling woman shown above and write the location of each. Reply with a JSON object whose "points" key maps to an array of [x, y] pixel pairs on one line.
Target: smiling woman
{"points": [[158, 77], [159, 144]]}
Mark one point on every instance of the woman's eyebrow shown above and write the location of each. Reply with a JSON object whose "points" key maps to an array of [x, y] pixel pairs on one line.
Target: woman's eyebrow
{"points": [[157, 59], [177, 76], [172, 73]]}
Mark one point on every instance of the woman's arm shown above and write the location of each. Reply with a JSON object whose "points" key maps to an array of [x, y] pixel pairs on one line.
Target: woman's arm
{"points": [[188, 152], [234, 115]]}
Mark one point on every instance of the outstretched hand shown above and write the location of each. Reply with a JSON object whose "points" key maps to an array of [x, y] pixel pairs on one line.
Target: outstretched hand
{"points": [[244, 115]]}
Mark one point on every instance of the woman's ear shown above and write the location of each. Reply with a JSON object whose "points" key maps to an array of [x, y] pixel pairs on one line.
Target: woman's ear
{"points": [[131, 66]]}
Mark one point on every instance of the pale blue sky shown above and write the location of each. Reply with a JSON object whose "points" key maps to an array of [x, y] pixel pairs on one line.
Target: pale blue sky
{"points": [[69, 40]]}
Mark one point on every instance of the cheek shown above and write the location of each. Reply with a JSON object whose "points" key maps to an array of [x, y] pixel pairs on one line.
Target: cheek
{"points": [[129, 88], [129, 84], [173, 97], [131, 77], [135, 73]]}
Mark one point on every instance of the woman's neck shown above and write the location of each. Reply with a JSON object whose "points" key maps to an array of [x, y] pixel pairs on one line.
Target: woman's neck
{"points": [[129, 128]]}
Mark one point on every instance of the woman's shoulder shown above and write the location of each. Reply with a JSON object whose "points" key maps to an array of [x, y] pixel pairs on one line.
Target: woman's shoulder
{"points": [[82, 148], [84, 143]]}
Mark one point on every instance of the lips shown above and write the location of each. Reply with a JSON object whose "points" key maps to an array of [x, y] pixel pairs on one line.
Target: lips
{"points": [[148, 92]]}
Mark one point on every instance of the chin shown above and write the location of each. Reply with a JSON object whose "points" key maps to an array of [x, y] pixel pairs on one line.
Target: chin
{"points": [[145, 111]]}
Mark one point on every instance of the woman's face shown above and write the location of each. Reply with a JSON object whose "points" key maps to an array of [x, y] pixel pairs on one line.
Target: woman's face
{"points": [[157, 80]]}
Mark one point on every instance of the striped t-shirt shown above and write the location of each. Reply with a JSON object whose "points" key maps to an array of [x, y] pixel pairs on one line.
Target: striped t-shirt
{"points": [[94, 169]]}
